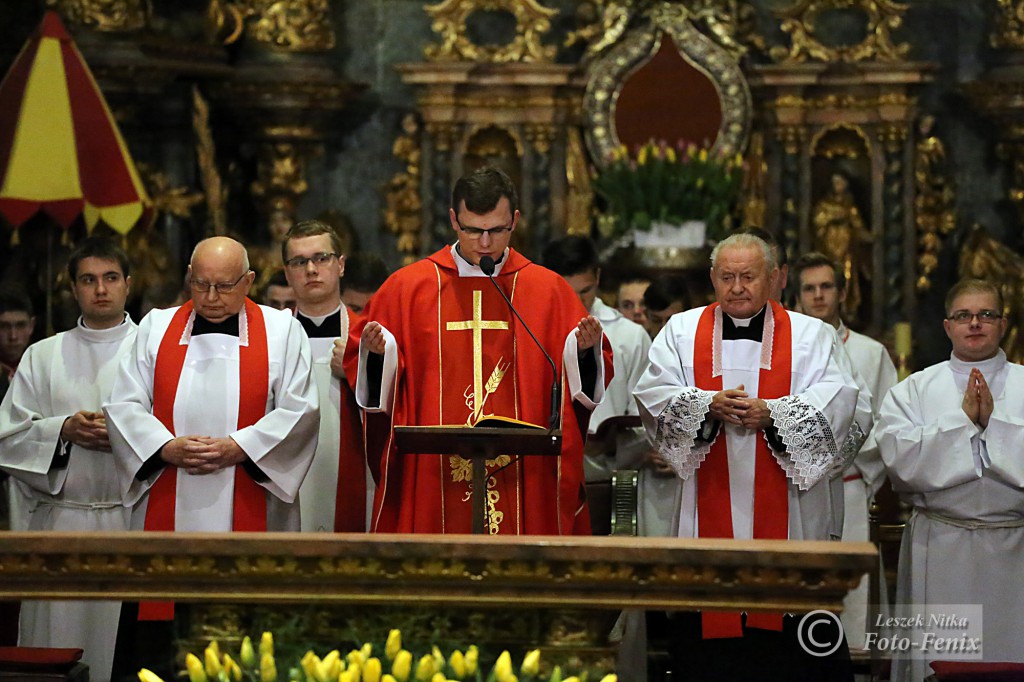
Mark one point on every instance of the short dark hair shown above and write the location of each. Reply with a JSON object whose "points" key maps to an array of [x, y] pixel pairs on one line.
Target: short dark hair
{"points": [[15, 301], [311, 228], [816, 259], [364, 272], [482, 189], [572, 255], [971, 285], [103, 248], [768, 238], [664, 291]]}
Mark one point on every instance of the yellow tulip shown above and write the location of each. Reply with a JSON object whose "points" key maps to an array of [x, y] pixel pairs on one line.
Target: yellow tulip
{"points": [[372, 670], [670, 154], [613, 677], [503, 666], [571, 679], [345, 676], [641, 158], [146, 675], [268, 669], [231, 669], [402, 666], [310, 666], [266, 645], [366, 651], [394, 644], [457, 662], [194, 666], [703, 156], [531, 663], [388, 678], [330, 667], [355, 656], [246, 654], [472, 658], [212, 662], [355, 671], [425, 668]]}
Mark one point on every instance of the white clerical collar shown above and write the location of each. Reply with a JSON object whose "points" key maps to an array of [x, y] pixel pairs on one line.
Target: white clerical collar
{"points": [[745, 321], [467, 269], [108, 335], [318, 319], [988, 367]]}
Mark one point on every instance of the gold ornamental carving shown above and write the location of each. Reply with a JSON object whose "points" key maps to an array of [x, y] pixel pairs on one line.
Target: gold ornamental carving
{"points": [[1009, 25], [291, 25], [801, 19], [580, 199], [215, 191], [607, 74], [985, 257], [104, 15], [450, 17], [934, 201], [403, 207]]}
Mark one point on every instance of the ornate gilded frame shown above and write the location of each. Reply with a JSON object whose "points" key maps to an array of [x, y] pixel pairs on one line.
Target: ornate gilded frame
{"points": [[609, 72]]}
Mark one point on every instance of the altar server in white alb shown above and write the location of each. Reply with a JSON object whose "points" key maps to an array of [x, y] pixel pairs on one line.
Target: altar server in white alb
{"points": [[334, 496], [213, 416], [53, 439], [746, 401], [821, 292], [951, 437]]}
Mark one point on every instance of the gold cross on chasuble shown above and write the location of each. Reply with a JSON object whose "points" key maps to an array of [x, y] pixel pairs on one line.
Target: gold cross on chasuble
{"points": [[477, 325]]}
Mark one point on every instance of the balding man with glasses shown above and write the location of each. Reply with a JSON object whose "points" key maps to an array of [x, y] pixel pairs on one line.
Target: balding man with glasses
{"points": [[950, 437], [213, 417]]}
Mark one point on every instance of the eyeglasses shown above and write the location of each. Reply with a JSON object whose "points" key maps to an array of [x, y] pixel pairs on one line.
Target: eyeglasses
{"points": [[477, 233], [318, 259], [966, 316], [221, 287]]}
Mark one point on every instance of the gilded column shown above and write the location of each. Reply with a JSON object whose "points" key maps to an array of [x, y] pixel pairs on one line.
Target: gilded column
{"points": [[893, 139], [792, 139]]}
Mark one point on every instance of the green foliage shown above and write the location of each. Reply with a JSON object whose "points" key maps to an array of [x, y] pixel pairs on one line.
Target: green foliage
{"points": [[665, 184]]}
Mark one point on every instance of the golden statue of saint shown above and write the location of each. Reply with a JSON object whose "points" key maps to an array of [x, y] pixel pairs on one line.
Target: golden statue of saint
{"points": [[839, 233]]}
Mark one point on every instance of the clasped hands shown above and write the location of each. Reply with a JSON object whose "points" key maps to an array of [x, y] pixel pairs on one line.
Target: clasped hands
{"points": [[87, 430], [202, 454], [977, 403], [734, 406]]}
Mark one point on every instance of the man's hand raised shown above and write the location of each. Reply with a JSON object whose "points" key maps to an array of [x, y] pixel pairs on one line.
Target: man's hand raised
{"points": [[588, 333], [86, 429], [373, 337]]}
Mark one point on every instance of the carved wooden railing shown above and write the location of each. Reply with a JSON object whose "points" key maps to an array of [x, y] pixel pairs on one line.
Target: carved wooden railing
{"points": [[576, 572]]}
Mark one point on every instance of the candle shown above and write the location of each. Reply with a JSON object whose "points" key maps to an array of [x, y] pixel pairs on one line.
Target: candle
{"points": [[901, 333]]}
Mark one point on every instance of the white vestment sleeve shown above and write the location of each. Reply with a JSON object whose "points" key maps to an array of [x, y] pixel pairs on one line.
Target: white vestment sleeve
{"points": [[1002, 440], [909, 446], [571, 363], [388, 377], [283, 441], [29, 440], [135, 434], [671, 408]]}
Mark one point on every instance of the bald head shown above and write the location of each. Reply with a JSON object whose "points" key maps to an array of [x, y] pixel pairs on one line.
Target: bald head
{"points": [[219, 277]]}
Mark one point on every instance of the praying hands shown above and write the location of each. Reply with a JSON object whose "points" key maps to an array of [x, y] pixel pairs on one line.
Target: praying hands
{"points": [[977, 403]]}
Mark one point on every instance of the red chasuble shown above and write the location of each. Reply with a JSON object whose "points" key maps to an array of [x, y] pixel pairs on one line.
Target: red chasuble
{"points": [[462, 357]]}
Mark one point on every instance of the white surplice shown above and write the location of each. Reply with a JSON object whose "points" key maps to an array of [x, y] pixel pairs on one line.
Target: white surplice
{"points": [[58, 377], [964, 543], [281, 443], [318, 494], [875, 375], [630, 345], [814, 420]]}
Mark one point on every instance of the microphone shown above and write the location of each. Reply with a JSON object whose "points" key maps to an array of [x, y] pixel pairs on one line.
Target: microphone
{"points": [[487, 265]]}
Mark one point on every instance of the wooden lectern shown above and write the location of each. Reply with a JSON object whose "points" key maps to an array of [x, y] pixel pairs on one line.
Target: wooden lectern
{"points": [[477, 444]]}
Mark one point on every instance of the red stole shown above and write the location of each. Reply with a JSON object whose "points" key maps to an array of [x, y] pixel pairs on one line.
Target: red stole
{"points": [[250, 502], [350, 499], [771, 505]]}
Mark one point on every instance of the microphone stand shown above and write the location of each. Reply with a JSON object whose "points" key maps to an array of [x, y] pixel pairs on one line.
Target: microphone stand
{"points": [[487, 265]]}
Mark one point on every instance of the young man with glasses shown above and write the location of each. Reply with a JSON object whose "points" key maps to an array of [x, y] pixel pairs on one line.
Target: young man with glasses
{"points": [[443, 348], [334, 495], [950, 437], [821, 291]]}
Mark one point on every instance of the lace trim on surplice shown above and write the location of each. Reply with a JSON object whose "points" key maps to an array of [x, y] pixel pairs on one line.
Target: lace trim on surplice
{"points": [[851, 446], [677, 431], [810, 446]]}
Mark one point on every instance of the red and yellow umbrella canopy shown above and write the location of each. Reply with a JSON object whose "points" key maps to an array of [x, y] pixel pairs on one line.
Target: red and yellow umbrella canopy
{"points": [[60, 150]]}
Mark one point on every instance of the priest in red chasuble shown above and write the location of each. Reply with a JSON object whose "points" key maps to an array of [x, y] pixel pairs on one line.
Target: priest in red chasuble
{"points": [[443, 348]]}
